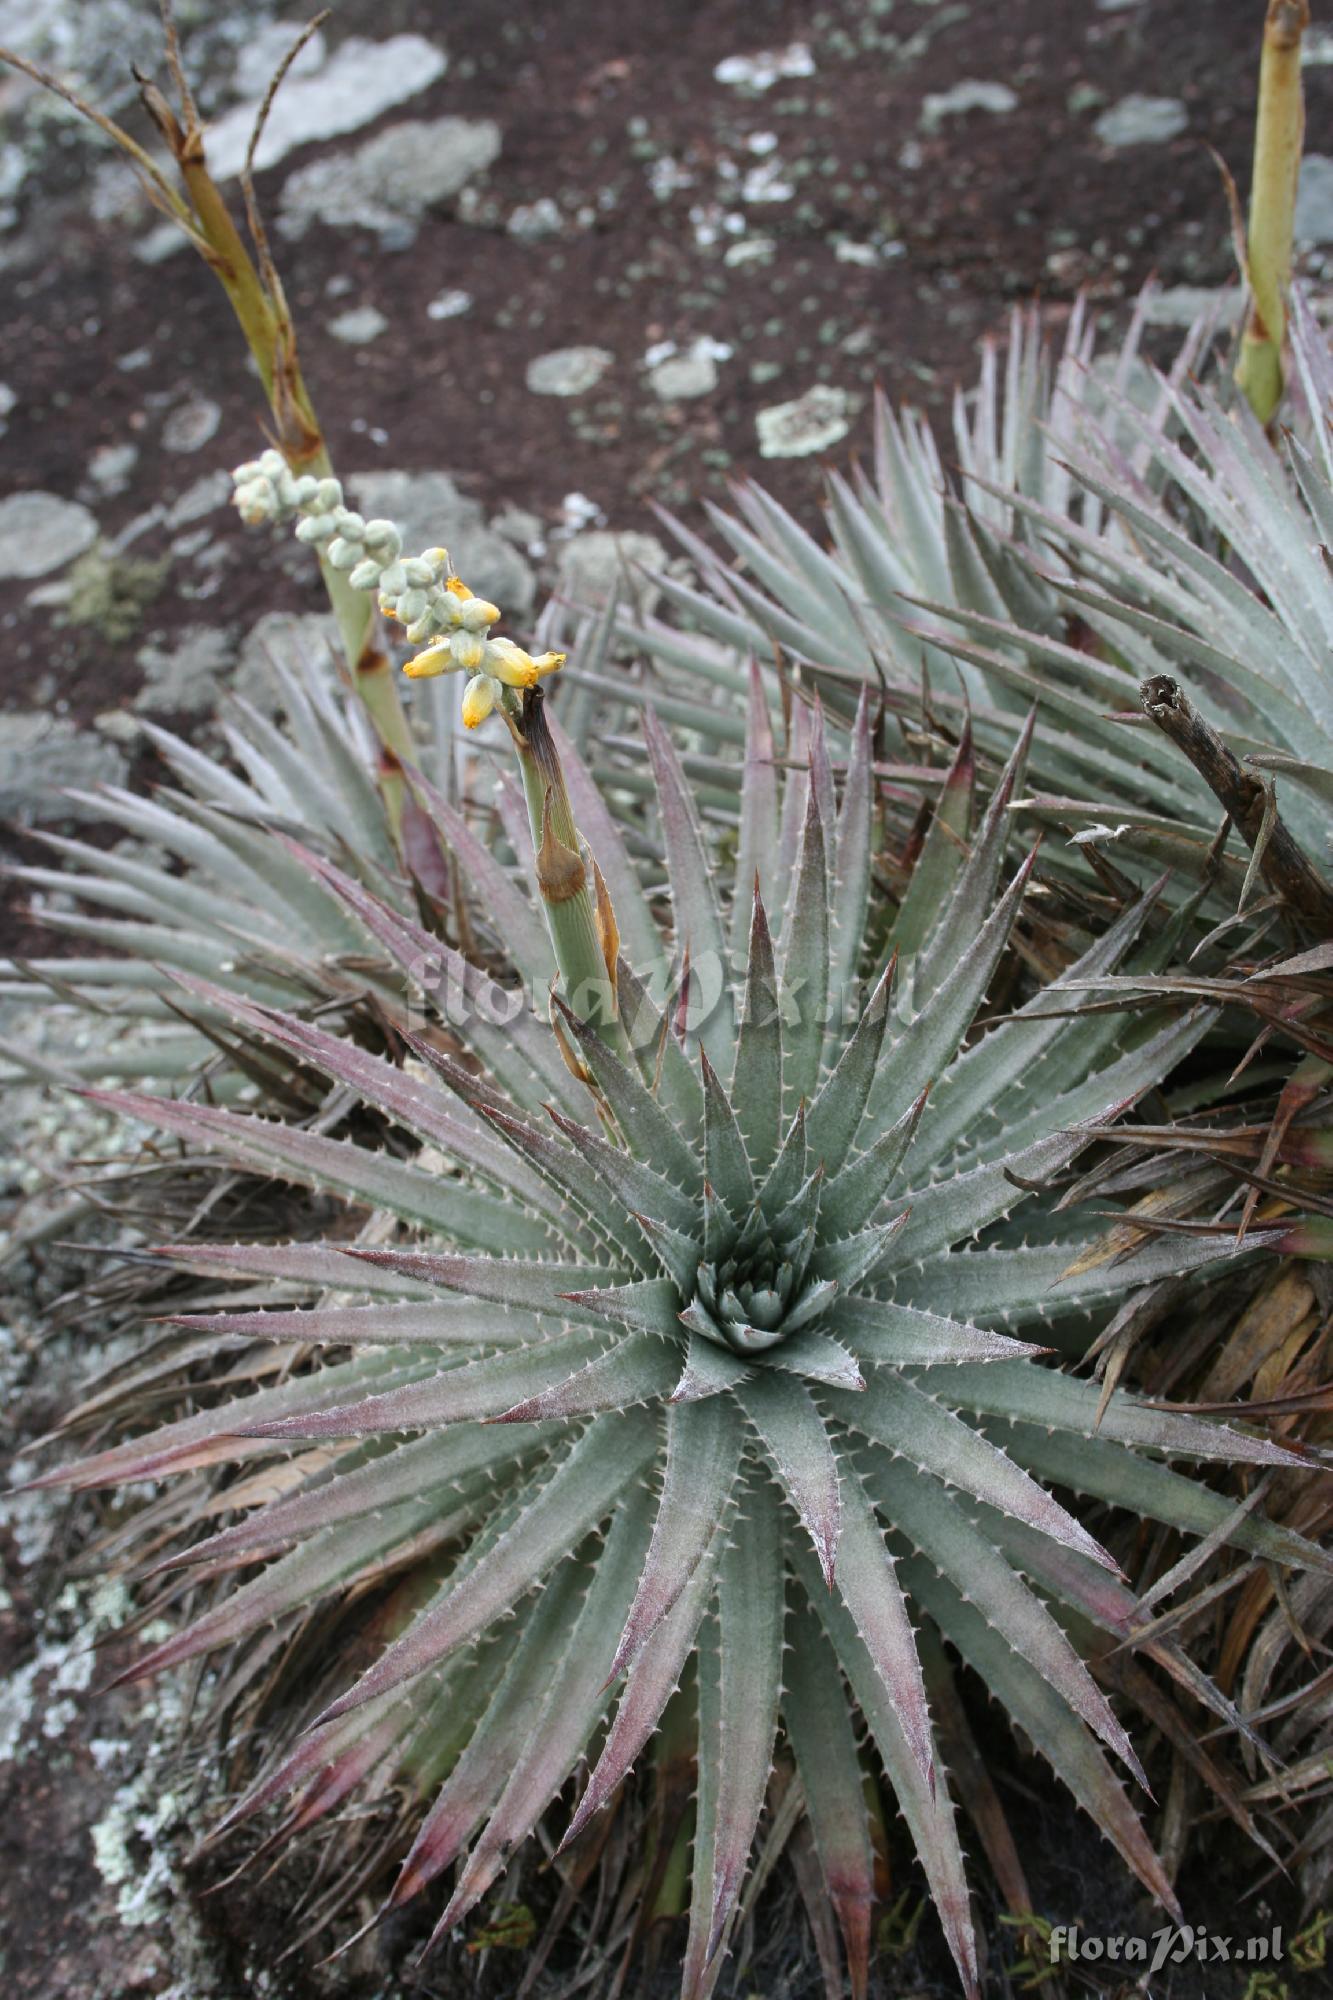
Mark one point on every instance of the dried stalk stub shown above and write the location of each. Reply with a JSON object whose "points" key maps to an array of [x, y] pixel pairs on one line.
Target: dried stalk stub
{"points": [[1246, 800]]}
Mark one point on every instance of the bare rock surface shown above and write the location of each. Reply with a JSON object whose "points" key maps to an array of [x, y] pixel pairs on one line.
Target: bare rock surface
{"points": [[347, 90], [41, 754], [40, 532], [387, 185]]}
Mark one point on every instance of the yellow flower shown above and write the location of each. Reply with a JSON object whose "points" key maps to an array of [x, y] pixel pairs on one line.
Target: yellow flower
{"points": [[510, 664], [469, 651], [479, 699], [437, 659]]}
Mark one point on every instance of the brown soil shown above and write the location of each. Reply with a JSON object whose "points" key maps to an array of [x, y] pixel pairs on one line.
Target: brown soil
{"points": [[998, 209]]}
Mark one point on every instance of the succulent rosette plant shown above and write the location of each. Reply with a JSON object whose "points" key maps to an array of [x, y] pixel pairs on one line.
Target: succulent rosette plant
{"points": [[1094, 523], [679, 1370]]}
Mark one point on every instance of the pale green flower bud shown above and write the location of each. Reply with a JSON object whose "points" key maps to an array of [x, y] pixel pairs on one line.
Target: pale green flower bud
{"points": [[316, 528], [384, 538]]}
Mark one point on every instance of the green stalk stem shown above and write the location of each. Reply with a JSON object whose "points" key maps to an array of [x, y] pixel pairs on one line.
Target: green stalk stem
{"points": [[1279, 132], [561, 871]]}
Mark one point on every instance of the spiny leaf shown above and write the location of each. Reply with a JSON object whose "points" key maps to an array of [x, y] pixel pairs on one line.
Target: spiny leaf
{"points": [[757, 851], [855, 1260], [574, 1498], [1102, 1467], [457, 1323], [326, 1561], [795, 1436], [698, 924], [930, 1518], [509, 913], [738, 1713], [791, 1169], [925, 1805], [805, 963], [649, 1133], [1043, 1396], [704, 1447], [868, 1584], [427, 1463], [709, 1369], [575, 1701], [487, 1750], [458, 1394], [211, 1437], [815, 1711], [856, 1191], [727, 1162], [756, 1083], [637, 1369], [516, 1048], [893, 1412], [322, 1264], [814, 1352], [569, 1172], [1057, 1732], [882, 1331], [634, 1185], [312, 1160], [943, 853], [662, 1061], [945, 1011], [835, 1116], [650, 1305], [527, 1283], [654, 1671], [851, 874]]}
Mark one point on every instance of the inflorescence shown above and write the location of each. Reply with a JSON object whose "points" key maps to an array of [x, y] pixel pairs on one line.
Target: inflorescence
{"points": [[421, 593]]}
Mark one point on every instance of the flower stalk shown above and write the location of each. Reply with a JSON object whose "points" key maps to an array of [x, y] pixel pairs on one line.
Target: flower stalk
{"points": [[578, 909], [255, 293], [454, 628], [1279, 132]]}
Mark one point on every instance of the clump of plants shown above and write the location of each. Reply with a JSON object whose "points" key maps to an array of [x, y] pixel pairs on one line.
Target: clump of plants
{"points": [[720, 1156], [666, 1392]]}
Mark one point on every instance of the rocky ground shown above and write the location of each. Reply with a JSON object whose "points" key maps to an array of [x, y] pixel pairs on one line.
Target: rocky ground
{"points": [[567, 261], [549, 264]]}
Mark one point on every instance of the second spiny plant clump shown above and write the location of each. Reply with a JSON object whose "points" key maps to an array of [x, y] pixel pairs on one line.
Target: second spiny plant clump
{"points": [[676, 1391]]}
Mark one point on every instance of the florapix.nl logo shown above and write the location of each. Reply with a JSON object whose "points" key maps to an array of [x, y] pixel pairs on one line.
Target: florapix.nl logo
{"points": [[1173, 1944]]}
